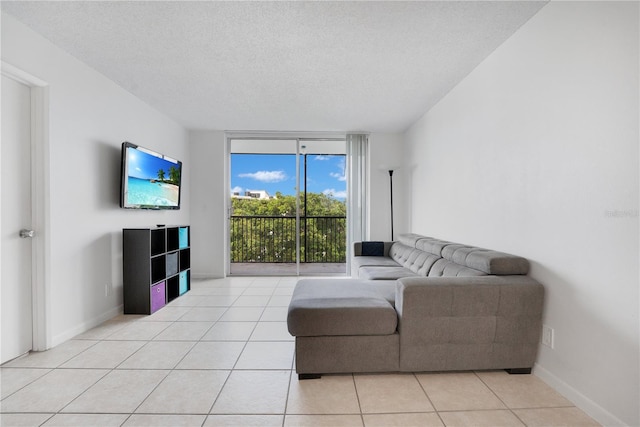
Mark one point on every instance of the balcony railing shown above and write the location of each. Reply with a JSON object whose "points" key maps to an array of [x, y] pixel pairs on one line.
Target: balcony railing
{"points": [[272, 239]]}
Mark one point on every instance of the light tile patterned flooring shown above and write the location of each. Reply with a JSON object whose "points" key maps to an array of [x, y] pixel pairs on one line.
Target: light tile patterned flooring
{"points": [[221, 355]]}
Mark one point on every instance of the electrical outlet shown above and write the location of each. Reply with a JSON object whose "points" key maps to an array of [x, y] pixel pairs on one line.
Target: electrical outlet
{"points": [[547, 336], [107, 289]]}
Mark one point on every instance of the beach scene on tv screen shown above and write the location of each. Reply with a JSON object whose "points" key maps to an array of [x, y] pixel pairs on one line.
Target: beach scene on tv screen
{"points": [[151, 180]]}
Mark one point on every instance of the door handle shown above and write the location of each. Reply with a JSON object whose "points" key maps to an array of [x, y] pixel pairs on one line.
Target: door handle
{"points": [[27, 234]]}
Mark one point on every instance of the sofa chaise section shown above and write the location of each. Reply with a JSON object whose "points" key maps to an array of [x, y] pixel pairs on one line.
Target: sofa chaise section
{"points": [[344, 325]]}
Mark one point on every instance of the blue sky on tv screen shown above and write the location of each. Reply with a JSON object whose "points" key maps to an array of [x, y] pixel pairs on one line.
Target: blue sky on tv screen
{"points": [[146, 166], [277, 173]]}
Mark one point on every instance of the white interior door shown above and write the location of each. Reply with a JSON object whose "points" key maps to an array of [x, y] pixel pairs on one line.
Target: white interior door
{"points": [[16, 251]]}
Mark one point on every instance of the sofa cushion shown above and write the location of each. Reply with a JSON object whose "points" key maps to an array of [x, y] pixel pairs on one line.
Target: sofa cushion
{"points": [[363, 261], [357, 262], [384, 273], [384, 288], [322, 307]]}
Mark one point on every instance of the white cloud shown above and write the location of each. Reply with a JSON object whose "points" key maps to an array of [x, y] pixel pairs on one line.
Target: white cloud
{"points": [[338, 194], [238, 190], [266, 176], [338, 176], [321, 157]]}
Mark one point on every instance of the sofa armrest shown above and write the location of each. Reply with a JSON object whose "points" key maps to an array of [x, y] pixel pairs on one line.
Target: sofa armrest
{"points": [[492, 322], [469, 296], [357, 248]]}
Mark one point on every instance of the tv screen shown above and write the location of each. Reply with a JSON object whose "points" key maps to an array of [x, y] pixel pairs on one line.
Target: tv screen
{"points": [[150, 180]]}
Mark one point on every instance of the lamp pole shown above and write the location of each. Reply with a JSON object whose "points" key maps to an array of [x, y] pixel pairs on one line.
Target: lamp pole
{"points": [[391, 196]]}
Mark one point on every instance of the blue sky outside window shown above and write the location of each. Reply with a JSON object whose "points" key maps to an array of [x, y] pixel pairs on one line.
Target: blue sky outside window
{"points": [[275, 173]]}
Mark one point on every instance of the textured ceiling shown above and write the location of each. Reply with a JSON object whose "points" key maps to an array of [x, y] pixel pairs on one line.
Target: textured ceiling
{"points": [[305, 66]]}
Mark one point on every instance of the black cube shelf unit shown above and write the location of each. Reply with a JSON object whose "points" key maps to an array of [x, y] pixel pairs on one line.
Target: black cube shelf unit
{"points": [[156, 267]]}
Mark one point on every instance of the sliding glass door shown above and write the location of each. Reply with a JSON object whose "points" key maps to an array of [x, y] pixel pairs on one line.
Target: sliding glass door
{"points": [[287, 206]]}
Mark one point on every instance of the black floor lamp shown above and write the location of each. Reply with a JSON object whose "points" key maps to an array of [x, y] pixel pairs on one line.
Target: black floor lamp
{"points": [[391, 199]]}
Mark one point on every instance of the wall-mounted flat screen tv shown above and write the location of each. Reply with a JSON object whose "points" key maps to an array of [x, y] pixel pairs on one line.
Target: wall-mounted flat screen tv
{"points": [[150, 180]]}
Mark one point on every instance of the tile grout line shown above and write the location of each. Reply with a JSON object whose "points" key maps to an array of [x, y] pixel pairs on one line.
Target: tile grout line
{"points": [[286, 401], [171, 369], [293, 361], [115, 368], [235, 363], [26, 385], [355, 387], [511, 410], [435, 409], [498, 397]]}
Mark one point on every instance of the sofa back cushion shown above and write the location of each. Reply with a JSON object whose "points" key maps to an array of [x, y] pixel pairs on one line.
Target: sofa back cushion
{"points": [[413, 259], [409, 239], [431, 245], [445, 268], [487, 261], [428, 256], [427, 265], [400, 252]]}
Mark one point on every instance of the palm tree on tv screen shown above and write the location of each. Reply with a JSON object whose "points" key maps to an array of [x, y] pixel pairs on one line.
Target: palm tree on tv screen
{"points": [[174, 175]]}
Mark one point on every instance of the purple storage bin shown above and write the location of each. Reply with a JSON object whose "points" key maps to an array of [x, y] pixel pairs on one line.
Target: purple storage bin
{"points": [[157, 296]]}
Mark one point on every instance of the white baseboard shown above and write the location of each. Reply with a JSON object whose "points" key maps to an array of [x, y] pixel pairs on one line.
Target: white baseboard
{"points": [[581, 401], [85, 326], [200, 276]]}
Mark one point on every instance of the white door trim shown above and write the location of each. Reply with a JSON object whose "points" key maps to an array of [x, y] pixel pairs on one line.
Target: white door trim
{"points": [[40, 203]]}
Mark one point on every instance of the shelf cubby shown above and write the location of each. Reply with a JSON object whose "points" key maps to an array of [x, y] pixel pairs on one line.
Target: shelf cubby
{"points": [[185, 259], [173, 288], [158, 268], [173, 239], [158, 242]]}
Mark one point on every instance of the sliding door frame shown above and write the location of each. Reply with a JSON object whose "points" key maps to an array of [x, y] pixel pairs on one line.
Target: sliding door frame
{"points": [[298, 138]]}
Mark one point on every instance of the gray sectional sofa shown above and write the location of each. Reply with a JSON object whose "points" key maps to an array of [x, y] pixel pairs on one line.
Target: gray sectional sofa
{"points": [[418, 304]]}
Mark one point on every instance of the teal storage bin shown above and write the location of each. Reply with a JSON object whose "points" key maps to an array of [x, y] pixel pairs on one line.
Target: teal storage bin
{"points": [[184, 282], [183, 237]]}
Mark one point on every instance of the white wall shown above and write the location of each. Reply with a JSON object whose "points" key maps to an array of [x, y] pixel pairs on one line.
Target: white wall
{"points": [[208, 210], [385, 151], [208, 215], [90, 116], [536, 153]]}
